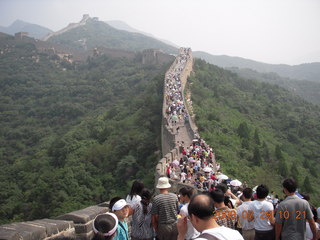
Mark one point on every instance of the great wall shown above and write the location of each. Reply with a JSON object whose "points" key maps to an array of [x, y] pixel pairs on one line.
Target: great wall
{"points": [[78, 224]]}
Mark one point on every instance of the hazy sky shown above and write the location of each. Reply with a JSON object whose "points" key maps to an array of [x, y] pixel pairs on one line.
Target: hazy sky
{"points": [[271, 31]]}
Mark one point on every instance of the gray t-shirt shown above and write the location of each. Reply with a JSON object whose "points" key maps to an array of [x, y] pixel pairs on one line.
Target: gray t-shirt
{"points": [[292, 213], [166, 206]]}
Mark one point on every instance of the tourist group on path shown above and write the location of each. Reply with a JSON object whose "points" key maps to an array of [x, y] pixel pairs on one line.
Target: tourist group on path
{"points": [[211, 205], [208, 215]]}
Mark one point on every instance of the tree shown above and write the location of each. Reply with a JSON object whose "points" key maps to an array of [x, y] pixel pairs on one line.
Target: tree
{"points": [[256, 137], [278, 153], [283, 168], [243, 130], [245, 143], [265, 152], [295, 172], [256, 159], [307, 185]]}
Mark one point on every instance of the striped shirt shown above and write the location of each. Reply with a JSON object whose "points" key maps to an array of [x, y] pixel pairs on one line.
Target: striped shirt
{"points": [[141, 224], [166, 207]]}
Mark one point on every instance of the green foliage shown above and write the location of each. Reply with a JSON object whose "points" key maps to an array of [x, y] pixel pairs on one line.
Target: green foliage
{"points": [[243, 130], [307, 187], [256, 137], [74, 137], [285, 129], [256, 159]]}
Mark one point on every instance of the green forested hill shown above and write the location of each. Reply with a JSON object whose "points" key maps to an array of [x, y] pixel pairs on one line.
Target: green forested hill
{"points": [[74, 135], [308, 90], [100, 34], [261, 133]]}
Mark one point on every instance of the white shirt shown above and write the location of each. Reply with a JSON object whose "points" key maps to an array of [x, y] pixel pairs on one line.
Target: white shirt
{"points": [[242, 212], [192, 233], [135, 199], [309, 233], [260, 209], [223, 233]]}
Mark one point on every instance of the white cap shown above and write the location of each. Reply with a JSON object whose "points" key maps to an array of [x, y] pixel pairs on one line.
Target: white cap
{"points": [[119, 204]]}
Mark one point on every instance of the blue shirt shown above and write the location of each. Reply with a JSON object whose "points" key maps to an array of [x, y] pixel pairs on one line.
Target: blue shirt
{"points": [[122, 232]]}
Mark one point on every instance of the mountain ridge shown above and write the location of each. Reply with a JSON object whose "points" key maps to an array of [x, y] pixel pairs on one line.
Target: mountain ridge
{"points": [[305, 71], [34, 30], [91, 33]]}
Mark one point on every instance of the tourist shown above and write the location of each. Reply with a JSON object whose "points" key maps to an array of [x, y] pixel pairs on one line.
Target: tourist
{"points": [[134, 195], [201, 215], [164, 211], [292, 214], [105, 226], [224, 216], [247, 228], [261, 212], [141, 218], [120, 208], [185, 196]]}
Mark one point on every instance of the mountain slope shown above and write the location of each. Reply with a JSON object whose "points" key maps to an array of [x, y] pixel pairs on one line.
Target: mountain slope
{"points": [[74, 135], [308, 90], [99, 34], [34, 30], [261, 133], [308, 71]]}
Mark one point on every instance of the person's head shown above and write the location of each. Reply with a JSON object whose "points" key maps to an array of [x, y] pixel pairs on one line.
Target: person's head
{"points": [[163, 183], [223, 187], [247, 193], [217, 196], [200, 210], [145, 199], [185, 194], [262, 191], [105, 226], [119, 207], [290, 185], [136, 188]]}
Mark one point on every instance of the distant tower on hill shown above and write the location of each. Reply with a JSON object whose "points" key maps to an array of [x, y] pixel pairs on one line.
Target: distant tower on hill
{"points": [[20, 35]]}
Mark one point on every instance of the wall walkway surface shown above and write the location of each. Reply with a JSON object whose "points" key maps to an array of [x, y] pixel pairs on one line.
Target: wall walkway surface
{"points": [[78, 224]]}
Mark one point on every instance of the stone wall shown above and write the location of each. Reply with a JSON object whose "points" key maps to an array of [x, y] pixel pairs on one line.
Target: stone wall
{"points": [[169, 148]]}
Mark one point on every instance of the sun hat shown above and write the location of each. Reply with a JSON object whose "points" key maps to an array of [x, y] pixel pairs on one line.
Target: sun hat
{"points": [[102, 218], [163, 183], [119, 204]]}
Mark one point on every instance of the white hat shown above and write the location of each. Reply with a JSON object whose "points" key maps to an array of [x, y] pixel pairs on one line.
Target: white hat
{"points": [[163, 183], [119, 204]]}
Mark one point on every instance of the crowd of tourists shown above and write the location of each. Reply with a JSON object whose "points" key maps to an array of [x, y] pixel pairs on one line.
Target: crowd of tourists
{"points": [[216, 214], [175, 107], [210, 205]]}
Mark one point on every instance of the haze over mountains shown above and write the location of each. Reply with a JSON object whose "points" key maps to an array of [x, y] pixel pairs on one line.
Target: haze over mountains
{"points": [[307, 71]]}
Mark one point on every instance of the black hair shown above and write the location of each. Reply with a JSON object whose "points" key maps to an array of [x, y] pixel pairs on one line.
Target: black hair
{"points": [[223, 187], [113, 201], [145, 200], [262, 191], [201, 206], [186, 191], [217, 195], [290, 184], [103, 224], [247, 193], [136, 188]]}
